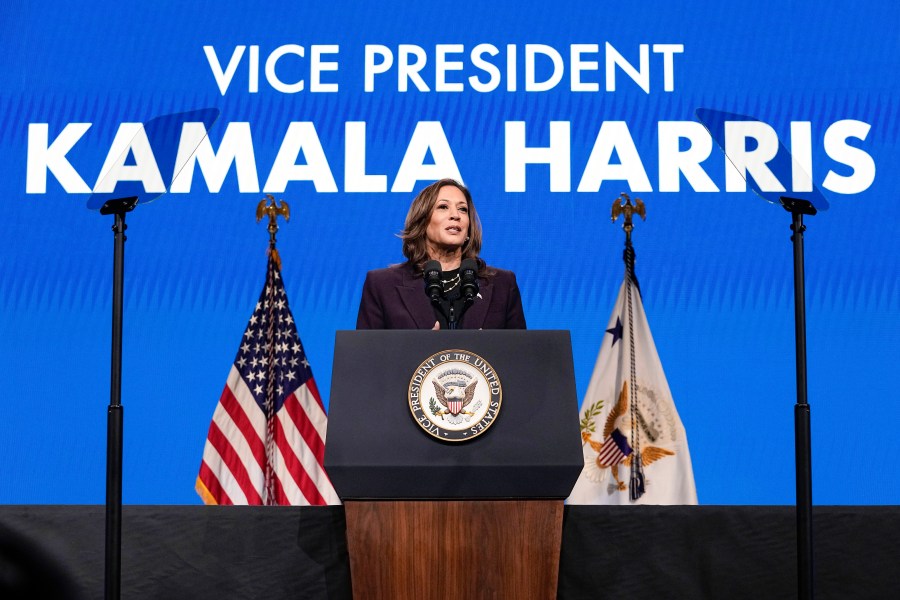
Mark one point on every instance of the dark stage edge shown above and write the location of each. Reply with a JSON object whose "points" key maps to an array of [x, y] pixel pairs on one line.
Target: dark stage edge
{"points": [[198, 552]]}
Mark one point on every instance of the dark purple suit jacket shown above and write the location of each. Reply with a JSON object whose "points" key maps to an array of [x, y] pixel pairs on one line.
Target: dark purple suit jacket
{"points": [[394, 298]]}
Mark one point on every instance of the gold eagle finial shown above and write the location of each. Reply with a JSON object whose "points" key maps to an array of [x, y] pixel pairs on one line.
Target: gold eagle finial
{"points": [[273, 208], [623, 206]]}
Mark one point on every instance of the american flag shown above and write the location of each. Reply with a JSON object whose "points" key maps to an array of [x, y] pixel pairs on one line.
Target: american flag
{"points": [[266, 441]]}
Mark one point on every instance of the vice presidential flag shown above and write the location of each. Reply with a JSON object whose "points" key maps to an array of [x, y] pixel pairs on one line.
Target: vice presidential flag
{"points": [[266, 442], [635, 447]]}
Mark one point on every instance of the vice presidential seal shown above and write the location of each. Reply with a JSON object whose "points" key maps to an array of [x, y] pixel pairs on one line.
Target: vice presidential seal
{"points": [[455, 395]]}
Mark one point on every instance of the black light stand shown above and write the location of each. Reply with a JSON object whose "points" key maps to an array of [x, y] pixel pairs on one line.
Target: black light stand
{"points": [[802, 437], [113, 573]]}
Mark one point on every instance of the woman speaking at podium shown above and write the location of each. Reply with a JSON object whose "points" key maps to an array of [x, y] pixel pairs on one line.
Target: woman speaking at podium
{"points": [[443, 284]]}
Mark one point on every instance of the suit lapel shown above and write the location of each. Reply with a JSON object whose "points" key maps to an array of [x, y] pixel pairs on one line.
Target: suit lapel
{"points": [[412, 293], [474, 317]]}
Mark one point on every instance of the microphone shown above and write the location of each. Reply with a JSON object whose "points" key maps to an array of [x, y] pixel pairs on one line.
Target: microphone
{"points": [[468, 279], [433, 287]]}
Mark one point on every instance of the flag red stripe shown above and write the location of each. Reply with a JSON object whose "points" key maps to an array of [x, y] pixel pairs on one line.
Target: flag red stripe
{"points": [[304, 426], [211, 482], [281, 497], [296, 469], [610, 458], [239, 417], [607, 452], [233, 461]]}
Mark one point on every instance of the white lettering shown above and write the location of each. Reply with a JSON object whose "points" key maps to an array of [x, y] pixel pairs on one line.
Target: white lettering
{"points": [[531, 53], [44, 156], [750, 162], [511, 67], [668, 51], [373, 68], [223, 77], [614, 136], [236, 148], [442, 65], [494, 81], [578, 65], [355, 177], [272, 77], [319, 65], [428, 136], [253, 71], [640, 77], [300, 136], [544, 66], [673, 162], [801, 156], [860, 161], [557, 155], [131, 139], [409, 71]]}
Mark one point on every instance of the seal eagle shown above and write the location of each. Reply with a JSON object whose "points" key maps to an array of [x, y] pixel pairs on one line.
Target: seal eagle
{"points": [[452, 401]]}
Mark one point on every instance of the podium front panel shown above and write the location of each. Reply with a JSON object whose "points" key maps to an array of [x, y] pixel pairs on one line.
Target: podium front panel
{"points": [[375, 449]]}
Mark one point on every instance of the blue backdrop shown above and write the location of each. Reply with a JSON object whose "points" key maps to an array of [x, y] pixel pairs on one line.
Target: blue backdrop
{"points": [[477, 87]]}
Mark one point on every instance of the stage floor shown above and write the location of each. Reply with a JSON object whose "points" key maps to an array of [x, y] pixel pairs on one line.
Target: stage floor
{"points": [[198, 552]]}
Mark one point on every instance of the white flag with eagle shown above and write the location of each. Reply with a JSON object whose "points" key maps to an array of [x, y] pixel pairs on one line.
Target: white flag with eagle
{"points": [[635, 447]]}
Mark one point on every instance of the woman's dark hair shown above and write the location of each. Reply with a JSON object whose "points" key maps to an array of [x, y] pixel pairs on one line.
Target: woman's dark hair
{"points": [[419, 216]]}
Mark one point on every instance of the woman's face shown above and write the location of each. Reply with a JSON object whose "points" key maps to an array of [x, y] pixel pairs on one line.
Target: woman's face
{"points": [[449, 224]]}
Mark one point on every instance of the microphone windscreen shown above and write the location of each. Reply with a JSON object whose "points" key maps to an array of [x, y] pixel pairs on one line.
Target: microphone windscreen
{"points": [[468, 264], [432, 266], [432, 274], [468, 270]]}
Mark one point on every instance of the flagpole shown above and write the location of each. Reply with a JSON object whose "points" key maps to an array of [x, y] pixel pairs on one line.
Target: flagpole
{"points": [[802, 433], [268, 206], [623, 206]]}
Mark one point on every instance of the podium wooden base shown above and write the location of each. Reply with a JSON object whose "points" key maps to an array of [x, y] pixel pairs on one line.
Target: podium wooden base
{"points": [[452, 549]]}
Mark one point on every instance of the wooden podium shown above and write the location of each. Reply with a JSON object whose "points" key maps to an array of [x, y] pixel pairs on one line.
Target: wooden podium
{"points": [[454, 548], [480, 518]]}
